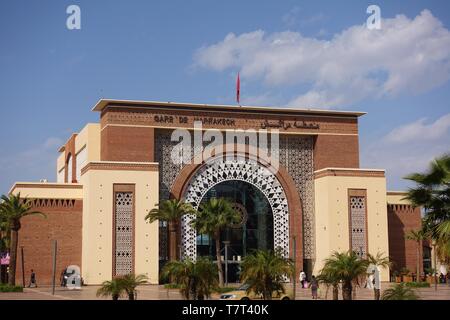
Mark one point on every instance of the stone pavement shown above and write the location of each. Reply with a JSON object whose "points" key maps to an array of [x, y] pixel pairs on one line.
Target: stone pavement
{"points": [[442, 293], [158, 292]]}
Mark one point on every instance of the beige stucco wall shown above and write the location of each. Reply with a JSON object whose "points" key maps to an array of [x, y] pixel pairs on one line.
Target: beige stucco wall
{"points": [[332, 216], [60, 162], [397, 198], [48, 190], [98, 223], [89, 136]]}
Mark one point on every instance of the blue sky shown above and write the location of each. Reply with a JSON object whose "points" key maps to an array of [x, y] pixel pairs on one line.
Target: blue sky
{"points": [[190, 51]]}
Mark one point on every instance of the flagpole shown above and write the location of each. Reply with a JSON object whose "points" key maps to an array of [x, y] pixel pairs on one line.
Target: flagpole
{"points": [[238, 90]]}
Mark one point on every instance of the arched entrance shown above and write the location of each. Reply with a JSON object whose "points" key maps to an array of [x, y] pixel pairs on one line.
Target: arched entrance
{"points": [[219, 170], [254, 231]]}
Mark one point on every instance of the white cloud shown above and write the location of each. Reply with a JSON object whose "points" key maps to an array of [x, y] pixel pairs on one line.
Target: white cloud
{"points": [[36, 163], [404, 56], [421, 131], [407, 149]]}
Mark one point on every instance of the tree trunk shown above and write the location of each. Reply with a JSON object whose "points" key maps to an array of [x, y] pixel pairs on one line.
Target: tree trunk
{"points": [[347, 291], [115, 297], [13, 257], [335, 292], [376, 293], [219, 262], [172, 226]]}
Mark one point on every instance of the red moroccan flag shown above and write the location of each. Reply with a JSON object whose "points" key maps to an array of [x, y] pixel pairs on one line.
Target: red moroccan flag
{"points": [[238, 89]]}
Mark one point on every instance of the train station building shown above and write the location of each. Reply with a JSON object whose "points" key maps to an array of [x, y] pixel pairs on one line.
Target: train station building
{"points": [[308, 196]]}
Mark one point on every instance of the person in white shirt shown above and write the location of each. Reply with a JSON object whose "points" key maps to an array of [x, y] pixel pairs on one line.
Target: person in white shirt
{"points": [[302, 278]]}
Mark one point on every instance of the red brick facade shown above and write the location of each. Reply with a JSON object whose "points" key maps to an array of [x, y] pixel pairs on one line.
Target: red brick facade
{"points": [[127, 144], [63, 223], [336, 151], [401, 219]]}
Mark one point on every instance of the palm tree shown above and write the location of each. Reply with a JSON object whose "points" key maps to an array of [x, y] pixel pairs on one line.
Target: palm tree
{"points": [[170, 211], [265, 272], [418, 236], [130, 282], [349, 268], [432, 192], [196, 279], [330, 278], [378, 261], [213, 216], [399, 292], [13, 209], [113, 288]]}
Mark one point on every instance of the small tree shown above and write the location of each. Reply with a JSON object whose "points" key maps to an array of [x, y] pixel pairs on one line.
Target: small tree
{"points": [[265, 272], [213, 216], [349, 268], [399, 292], [196, 279], [130, 283], [418, 236], [13, 209], [330, 278], [113, 288], [170, 211]]}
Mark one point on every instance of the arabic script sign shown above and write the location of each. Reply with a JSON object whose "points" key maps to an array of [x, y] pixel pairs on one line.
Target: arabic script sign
{"points": [[289, 124]]}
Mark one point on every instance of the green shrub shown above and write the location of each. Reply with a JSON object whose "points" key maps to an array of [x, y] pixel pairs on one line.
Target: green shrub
{"points": [[418, 284], [9, 288]]}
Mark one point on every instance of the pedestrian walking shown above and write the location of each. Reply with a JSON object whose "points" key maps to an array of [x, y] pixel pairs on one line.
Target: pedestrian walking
{"points": [[314, 287], [33, 283], [302, 279]]}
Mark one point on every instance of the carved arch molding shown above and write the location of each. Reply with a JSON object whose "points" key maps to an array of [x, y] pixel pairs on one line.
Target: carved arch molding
{"points": [[236, 168]]}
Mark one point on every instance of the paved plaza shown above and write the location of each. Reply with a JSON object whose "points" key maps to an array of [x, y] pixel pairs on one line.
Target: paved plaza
{"points": [[158, 292]]}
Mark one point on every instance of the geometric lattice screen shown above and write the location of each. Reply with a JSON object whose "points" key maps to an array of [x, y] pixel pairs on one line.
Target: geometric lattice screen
{"points": [[358, 225], [123, 233], [296, 155], [217, 171]]}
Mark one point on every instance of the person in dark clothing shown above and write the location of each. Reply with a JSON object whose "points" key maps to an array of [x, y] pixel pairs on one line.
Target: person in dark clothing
{"points": [[32, 280], [314, 287]]}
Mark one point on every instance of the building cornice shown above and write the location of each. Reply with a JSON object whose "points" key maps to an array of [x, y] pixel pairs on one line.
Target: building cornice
{"points": [[103, 103], [45, 185], [349, 172], [120, 166]]}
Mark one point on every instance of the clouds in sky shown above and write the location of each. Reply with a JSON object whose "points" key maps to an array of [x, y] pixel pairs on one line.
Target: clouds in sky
{"points": [[409, 148], [38, 162], [421, 131], [406, 56]]}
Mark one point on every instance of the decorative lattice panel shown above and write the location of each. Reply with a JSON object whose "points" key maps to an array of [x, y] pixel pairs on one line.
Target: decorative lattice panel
{"points": [[358, 225], [220, 170], [124, 233], [168, 172], [296, 155]]}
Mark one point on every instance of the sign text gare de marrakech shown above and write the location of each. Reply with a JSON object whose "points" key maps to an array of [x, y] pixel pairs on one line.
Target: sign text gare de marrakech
{"points": [[230, 122]]}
